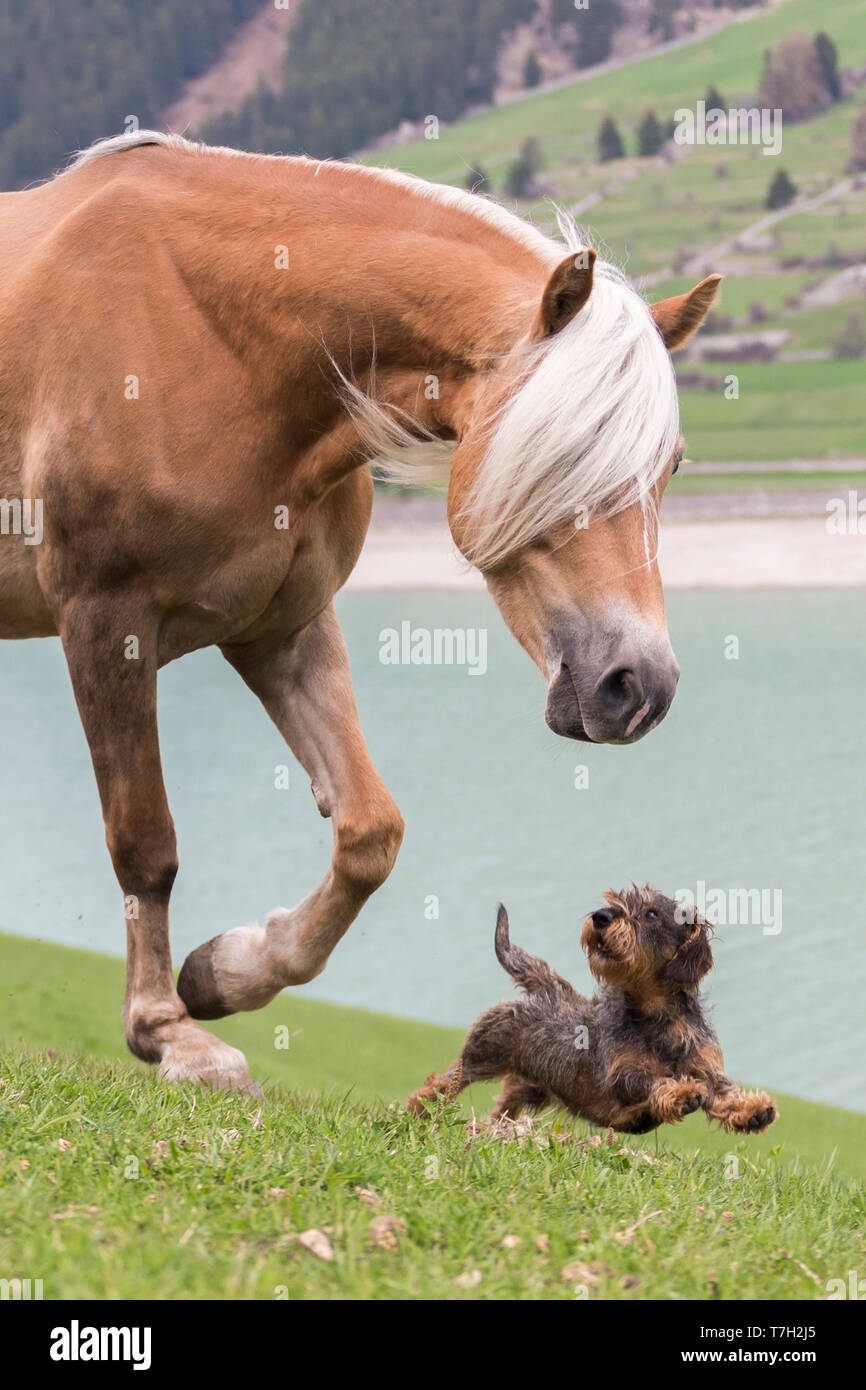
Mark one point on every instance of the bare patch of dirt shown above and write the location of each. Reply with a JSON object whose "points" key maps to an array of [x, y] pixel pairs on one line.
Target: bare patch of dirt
{"points": [[255, 57]]}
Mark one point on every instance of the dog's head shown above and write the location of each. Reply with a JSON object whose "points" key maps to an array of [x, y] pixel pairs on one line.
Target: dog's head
{"points": [[646, 942]]}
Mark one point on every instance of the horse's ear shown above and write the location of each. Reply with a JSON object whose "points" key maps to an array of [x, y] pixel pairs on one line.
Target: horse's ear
{"points": [[567, 291], [678, 318]]}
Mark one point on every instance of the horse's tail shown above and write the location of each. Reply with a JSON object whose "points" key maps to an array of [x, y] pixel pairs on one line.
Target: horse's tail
{"points": [[530, 972]]}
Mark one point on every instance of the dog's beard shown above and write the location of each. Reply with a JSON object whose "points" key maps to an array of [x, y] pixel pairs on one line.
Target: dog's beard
{"points": [[611, 953]]}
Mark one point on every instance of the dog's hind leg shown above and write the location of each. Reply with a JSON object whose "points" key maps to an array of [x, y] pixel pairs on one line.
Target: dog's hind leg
{"points": [[488, 1053], [518, 1095], [439, 1085]]}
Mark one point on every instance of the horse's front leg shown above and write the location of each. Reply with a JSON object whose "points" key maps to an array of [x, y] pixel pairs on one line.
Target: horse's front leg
{"points": [[110, 647], [305, 685]]}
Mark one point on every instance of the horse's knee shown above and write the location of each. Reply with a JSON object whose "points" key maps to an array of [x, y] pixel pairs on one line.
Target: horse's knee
{"points": [[144, 857], [365, 853]]}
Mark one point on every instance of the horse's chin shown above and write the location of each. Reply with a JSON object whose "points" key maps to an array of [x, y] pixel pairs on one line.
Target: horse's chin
{"points": [[565, 725]]}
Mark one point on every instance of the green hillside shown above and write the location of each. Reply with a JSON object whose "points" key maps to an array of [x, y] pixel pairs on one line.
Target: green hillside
{"points": [[566, 119], [70, 1001], [115, 1186], [785, 410], [345, 83], [670, 222], [70, 75]]}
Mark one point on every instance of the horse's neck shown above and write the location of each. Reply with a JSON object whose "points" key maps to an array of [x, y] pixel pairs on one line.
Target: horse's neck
{"points": [[344, 266]]}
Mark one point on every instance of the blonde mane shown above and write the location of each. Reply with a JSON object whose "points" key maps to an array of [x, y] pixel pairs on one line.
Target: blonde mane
{"points": [[589, 430]]}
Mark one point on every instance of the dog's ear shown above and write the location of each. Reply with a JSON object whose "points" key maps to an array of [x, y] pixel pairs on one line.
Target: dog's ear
{"points": [[692, 961]]}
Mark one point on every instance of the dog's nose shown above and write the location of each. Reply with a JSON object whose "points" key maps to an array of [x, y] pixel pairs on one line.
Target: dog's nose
{"points": [[603, 918]]}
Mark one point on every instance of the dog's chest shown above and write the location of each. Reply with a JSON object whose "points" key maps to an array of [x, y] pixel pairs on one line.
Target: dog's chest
{"points": [[678, 1038], [665, 1044]]}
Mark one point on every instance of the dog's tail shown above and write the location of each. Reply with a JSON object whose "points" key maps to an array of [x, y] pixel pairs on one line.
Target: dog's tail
{"points": [[530, 972]]}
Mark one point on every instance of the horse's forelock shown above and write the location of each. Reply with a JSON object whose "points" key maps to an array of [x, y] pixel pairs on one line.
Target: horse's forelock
{"points": [[588, 431]]}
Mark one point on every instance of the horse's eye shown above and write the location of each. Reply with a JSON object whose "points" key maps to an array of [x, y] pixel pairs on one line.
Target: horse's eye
{"points": [[651, 915], [676, 468]]}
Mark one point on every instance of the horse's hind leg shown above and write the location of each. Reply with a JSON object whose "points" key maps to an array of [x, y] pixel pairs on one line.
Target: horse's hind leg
{"points": [[305, 685], [114, 679]]}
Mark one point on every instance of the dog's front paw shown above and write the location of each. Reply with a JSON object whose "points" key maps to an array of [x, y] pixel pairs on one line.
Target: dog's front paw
{"points": [[743, 1112], [676, 1097], [762, 1119], [694, 1100]]}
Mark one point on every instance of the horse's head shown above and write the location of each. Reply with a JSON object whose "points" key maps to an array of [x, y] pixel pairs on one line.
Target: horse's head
{"points": [[555, 489]]}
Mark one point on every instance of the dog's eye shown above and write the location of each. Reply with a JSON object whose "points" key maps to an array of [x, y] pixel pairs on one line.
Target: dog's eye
{"points": [[651, 915]]}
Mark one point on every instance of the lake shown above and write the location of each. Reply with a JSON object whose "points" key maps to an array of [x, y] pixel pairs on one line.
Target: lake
{"points": [[754, 782]]}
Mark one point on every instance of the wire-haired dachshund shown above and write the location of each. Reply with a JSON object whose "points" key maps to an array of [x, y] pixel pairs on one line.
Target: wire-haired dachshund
{"points": [[639, 1054]]}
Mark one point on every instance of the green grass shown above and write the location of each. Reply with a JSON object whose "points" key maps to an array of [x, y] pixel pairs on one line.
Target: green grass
{"points": [[687, 484], [115, 1186], [785, 410], [817, 328], [685, 208], [175, 1194], [738, 292]]}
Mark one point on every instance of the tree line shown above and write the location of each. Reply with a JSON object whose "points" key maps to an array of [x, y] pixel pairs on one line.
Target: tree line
{"points": [[70, 74], [356, 69]]}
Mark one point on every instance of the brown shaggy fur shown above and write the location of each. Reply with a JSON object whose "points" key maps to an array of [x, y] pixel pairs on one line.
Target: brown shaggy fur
{"points": [[639, 1054]]}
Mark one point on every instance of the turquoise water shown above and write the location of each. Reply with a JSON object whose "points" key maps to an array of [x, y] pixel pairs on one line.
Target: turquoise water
{"points": [[755, 780]]}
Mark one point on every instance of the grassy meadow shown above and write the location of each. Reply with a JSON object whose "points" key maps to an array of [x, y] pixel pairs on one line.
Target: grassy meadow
{"points": [[115, 1186], [785, 410]]}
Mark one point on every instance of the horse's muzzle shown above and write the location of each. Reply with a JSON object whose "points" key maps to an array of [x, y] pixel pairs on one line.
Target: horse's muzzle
{"points": [[619, 704]]}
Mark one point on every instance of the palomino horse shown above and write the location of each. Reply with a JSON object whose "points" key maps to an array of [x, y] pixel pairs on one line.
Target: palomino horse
{"points": [[200, 353]]}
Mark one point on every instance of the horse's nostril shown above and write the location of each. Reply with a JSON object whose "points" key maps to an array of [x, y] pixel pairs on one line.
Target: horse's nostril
{"points": [[603, 918], [620, 692]]}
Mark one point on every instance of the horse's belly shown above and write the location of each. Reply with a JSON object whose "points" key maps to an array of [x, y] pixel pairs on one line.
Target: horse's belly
{"points": [[23, 610]]}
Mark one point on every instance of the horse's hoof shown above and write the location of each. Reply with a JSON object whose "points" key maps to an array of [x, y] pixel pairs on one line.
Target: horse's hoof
{"points": [[197, 984], [229, 974], [207, 1061]]}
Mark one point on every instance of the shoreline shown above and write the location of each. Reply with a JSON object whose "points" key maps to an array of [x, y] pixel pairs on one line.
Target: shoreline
{"points": [[409, 546]]}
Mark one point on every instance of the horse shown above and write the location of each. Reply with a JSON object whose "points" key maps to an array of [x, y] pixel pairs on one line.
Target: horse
{"points": [[202, 352]]}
